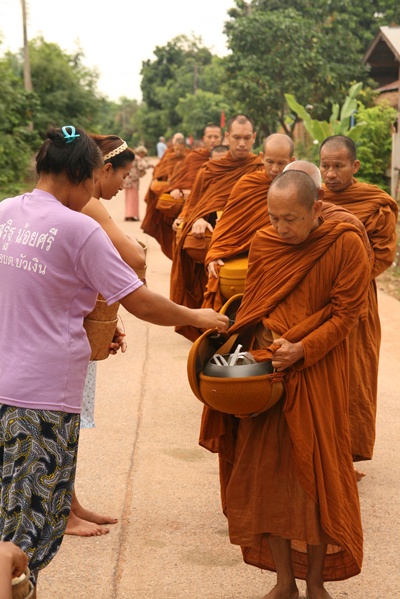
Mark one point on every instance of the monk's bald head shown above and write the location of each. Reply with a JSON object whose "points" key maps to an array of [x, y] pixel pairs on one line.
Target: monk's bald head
{"points": [[293, 206], [340, 142], [239, 119], [277, 153], [306, 167], [306, 191], [277, 142]]}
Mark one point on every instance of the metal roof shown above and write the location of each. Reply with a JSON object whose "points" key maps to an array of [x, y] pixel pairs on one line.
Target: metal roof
{"points": [[383, 56]]}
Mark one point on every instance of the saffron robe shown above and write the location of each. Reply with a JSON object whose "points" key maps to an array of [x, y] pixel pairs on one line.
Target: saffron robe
{"points": [[210, 192], [186, 175], [289, 472], [245, 213], [155, 223], [378, 212]]}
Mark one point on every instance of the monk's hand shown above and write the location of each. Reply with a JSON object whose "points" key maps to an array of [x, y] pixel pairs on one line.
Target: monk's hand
{"points": [[207, 318], [285, 354], [212, 272], [186, 193], [118, 342], [176, 194], [200, 226], [176, 223]]}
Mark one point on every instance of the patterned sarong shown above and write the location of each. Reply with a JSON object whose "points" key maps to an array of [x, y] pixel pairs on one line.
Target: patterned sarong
{"points": [[38, 451]]}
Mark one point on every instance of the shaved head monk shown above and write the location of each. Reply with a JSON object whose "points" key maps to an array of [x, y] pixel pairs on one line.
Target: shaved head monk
{"points": [[378, 212], [245, 212], [209, 195], [287, 479], [178, 183]]}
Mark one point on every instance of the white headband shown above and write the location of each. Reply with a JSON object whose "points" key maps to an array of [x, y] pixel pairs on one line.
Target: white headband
{"points": [[117, 151]]}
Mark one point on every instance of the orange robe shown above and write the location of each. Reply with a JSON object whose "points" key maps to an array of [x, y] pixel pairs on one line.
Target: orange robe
{"points": [[209, 193], [378, 212], [186, 175], [289, 471], [245, 212], [155, 223]]}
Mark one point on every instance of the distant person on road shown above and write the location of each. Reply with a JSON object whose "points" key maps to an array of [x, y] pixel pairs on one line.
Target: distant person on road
{"points": [[161, 147], [55, 262], [131, 183]]}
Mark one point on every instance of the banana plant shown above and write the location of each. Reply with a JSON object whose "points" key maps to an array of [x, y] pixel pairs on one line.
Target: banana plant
{"points": [[340, 122]]}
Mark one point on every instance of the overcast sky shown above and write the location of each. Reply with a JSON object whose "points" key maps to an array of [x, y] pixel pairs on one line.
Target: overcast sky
{"points": [[118, 35]]}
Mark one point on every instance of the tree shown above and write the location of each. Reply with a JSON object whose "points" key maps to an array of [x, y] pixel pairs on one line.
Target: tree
{"points": [[375, 143], [182, 69], [66, 88], [16, 140], [312, 50], [341, 121]]}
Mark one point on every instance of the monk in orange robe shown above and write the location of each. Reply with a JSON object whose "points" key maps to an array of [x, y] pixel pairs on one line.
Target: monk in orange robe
{"points": [[245, 212], [287, 478], [164, 171], [378, 212], [209, 194], [182, 183]]}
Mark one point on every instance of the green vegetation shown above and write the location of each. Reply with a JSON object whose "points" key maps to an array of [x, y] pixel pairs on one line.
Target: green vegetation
{"points": [[308, 51]]}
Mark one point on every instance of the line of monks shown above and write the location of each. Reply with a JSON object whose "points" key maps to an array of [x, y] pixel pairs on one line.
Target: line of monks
{"points": [[312, 248]]}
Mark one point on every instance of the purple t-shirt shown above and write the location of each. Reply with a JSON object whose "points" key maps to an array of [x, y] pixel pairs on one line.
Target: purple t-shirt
{"points": [[53, 262]]}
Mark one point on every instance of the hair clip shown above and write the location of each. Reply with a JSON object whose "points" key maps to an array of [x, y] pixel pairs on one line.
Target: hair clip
{"points": [[69, 136]]}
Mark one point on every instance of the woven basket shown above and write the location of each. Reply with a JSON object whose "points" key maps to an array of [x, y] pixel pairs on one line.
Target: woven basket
{"points": [[100, 327], [21, 587], [167, 205], [141, 272]]}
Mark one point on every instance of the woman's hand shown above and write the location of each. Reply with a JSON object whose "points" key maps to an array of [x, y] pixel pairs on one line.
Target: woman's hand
{"points": [[118, 342], [209, 319]]}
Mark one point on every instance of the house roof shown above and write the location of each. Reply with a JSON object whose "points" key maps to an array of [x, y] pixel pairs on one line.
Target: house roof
{"points": [[383, 56]]}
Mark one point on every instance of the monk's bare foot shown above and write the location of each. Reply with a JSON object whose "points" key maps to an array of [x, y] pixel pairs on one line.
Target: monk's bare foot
{"points": [[317, 592], [83, 528], [359, 475], [89, 516], [280, 592]]}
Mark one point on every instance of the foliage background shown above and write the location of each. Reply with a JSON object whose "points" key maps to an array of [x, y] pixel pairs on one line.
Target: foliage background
{"points": [[310, 49]]}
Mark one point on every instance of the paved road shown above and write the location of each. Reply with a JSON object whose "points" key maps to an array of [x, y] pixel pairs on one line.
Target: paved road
{"points": [[143, 465]]}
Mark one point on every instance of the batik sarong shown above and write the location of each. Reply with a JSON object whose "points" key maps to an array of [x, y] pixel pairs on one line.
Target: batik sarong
{"points": [[38, 451]]}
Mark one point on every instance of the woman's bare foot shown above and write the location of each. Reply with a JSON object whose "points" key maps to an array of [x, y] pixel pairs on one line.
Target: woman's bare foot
{"points": [[359, 475], [83, 528], [89, 516], [278, 592]]}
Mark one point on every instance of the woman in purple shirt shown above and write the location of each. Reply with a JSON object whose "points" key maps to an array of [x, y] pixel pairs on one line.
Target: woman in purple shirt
{"points": [[53, 262]]}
